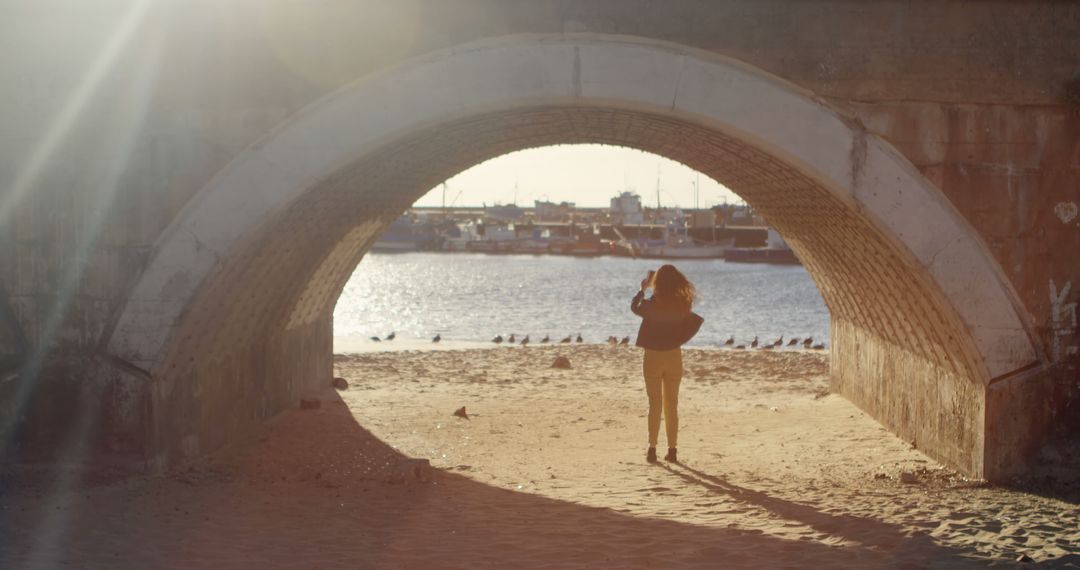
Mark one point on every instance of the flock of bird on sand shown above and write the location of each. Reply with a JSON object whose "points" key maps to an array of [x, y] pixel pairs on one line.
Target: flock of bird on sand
{"points": [[807, 343]]}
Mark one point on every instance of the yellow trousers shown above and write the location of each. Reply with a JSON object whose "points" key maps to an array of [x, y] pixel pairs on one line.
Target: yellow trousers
{"points": [[663, 373]]}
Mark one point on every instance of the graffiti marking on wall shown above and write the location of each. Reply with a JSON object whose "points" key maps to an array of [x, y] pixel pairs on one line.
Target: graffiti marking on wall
{"points": [[1066, 211], [1062, 322]]}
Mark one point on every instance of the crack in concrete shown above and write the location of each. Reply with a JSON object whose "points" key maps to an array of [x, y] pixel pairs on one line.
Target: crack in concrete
{"points": [[678, 81], [201, 245], [948, 244], [858, 151], [124, 365]]}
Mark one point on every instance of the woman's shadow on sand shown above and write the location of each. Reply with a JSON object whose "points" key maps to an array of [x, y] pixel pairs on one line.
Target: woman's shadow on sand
{"points": [[906, 546], [901, 547]]}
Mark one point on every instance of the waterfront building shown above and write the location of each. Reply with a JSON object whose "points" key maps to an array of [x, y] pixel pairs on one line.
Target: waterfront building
{"points": [[626, 208], [504, 213], [551, 212]]}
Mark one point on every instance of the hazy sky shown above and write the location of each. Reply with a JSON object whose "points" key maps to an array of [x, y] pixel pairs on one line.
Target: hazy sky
{"points": [[589, 175]]}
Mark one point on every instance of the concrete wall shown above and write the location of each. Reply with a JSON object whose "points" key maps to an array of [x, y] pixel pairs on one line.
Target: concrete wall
{"points": [[933, 408], [204, 404], [121, 112]]}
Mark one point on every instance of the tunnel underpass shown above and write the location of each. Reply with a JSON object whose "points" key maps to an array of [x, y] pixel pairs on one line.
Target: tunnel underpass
{"points": [[236, 304]]}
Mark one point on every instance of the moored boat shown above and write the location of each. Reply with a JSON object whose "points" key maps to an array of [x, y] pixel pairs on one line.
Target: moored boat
{"points": [[534, 246], [688, 249], [406, 235], [775, 251], [677, 244], [761, 255]]}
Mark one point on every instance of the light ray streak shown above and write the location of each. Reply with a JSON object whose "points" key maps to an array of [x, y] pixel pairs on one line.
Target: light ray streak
{"points": [[73, 108], [115, 157], [69, 279], [53, 527]]}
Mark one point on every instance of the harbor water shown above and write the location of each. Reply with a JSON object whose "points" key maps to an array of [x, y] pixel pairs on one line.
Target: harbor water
{"points": [[470, 298]]}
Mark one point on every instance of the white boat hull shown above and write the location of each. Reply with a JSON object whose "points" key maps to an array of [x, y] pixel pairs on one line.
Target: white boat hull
{"points": [[395, 246], [696, 252]]}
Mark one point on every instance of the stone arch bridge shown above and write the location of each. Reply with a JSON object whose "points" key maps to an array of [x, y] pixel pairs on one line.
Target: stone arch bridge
{"points": [[188, 186]]}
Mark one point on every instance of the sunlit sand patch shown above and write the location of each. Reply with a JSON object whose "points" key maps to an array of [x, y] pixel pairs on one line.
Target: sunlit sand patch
{"points": [[764, 448]]}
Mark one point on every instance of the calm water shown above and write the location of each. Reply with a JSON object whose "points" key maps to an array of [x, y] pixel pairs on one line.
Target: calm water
{"points": [[473, 297]]}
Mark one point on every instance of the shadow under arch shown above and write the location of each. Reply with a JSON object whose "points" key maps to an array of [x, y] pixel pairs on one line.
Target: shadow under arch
{"points": [[263, 505], [237, 302]]}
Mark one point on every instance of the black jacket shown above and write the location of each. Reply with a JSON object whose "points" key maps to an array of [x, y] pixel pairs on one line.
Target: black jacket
{"points": [[660, 329]]}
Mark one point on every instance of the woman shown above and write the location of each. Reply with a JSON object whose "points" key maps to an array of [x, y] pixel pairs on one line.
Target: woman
{"points": [[667, 323]]}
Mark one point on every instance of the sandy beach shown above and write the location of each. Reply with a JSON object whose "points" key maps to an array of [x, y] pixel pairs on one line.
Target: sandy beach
{"points": [[548, 471]]}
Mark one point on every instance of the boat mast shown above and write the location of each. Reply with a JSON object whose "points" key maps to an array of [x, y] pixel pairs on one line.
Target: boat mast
{"points": [[697, 191], [658, 189]]}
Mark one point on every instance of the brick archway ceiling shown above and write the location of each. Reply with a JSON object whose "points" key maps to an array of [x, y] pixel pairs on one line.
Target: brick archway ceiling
{"points": [[293, 270]]}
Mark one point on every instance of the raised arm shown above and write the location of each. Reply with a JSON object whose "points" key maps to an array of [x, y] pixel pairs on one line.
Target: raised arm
{"points": [[636, 305]]}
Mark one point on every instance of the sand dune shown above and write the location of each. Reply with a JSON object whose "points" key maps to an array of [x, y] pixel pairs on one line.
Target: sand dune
{"points": [[549, 472]]}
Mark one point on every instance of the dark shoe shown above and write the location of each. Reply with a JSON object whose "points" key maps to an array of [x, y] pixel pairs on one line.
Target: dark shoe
{"points": [[650, 455], [671, 455]]}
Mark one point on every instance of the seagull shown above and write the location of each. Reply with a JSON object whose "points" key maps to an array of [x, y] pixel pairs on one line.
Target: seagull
{"points": [[525, 341], [565, 340], [391, 336], [778, 341], [498, 339], [437, 338], [547, 338], [579, 337], [793, 342], [612, 340], [807, 342], [730, 341], [754, 343], [512, 339], [741, 347], [376, 339], [819, 346], [625, 341], [768, 347]]}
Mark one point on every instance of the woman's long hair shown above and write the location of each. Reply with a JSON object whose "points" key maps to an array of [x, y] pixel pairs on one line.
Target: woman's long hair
{"points": [[672, 290]]}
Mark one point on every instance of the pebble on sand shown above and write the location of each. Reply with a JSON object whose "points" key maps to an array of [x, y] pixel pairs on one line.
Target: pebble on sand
{"points": [[561, 362], [460, 412], [340, 383]]}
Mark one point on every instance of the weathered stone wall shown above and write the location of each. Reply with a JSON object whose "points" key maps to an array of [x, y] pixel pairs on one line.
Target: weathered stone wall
{"points": [[79, 408], [202, 405], [1011, 170], [1022, 412], [933, 408]]}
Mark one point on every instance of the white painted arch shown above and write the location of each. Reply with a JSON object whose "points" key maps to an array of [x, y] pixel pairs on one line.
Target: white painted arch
{"points": [[768, 113]]}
